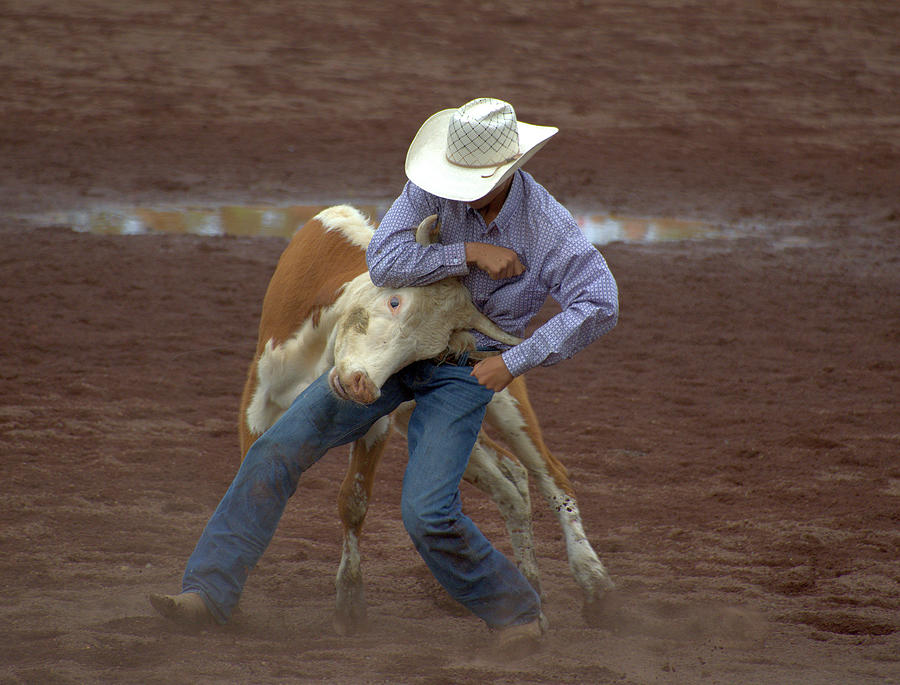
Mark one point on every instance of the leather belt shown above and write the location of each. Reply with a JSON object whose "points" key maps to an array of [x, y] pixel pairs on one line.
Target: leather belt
{"points": [[467, 358]]}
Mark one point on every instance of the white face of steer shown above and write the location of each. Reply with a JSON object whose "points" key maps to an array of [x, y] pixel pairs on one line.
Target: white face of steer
{"points": [[383, 330]]}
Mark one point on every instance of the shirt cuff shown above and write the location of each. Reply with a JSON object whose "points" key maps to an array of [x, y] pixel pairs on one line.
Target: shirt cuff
{"points": [[455, 259], [515, 361]]}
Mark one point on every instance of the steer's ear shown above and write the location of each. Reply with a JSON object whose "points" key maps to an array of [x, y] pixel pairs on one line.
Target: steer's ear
{"points": [[429, 231]]}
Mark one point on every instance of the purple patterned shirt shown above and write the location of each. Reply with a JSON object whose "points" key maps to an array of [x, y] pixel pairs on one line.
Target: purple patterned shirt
{"points": [[559, 261]]}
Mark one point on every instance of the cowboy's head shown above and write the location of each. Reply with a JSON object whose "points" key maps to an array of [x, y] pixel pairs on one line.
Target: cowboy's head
{"points": [[467, 153]]}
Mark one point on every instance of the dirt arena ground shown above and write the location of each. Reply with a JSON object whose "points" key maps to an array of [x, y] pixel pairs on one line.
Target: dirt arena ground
{"points": [[734, 442]]}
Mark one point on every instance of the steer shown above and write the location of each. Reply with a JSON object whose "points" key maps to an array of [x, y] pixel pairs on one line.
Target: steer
{"points": [[321, 313]]}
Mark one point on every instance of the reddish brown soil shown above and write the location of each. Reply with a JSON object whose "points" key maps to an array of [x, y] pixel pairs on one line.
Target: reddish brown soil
{"points": [[734, 442]]}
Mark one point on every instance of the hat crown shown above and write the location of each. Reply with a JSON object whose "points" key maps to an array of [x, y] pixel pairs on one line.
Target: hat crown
{"points": [[483, 133]]}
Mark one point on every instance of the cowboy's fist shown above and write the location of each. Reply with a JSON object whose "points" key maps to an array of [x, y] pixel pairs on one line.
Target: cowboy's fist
{"points": [[492, 373], [497, 262]]}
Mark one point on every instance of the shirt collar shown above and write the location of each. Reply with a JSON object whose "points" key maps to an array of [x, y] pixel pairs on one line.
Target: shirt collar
{"points": [[511, 205]]}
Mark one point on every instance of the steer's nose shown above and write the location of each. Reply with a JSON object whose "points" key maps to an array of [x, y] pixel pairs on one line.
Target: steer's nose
{"points": [[362, 389]]}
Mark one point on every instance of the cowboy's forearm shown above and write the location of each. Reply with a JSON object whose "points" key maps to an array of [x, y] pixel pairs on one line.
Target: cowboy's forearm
{"points": [[396, 260]]}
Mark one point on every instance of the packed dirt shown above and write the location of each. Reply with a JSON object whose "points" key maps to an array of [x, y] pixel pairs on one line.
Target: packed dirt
{"points": [[734, 442]]}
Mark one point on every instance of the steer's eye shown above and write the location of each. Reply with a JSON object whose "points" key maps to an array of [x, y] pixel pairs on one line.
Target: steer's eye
{"points": [[395, 302]]}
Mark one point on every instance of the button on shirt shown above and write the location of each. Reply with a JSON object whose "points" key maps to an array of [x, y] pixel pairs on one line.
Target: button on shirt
{"points": [[559, 262]]}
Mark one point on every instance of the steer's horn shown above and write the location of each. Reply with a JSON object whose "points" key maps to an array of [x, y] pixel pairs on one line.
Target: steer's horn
{"points": [[482, 324], [429, 231]]}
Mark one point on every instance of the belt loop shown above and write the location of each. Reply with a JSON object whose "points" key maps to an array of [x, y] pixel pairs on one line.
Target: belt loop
{"points": [[463, 358]]}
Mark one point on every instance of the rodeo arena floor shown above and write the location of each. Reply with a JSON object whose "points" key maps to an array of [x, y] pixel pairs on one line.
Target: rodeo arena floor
{"points": [[733, 443]]}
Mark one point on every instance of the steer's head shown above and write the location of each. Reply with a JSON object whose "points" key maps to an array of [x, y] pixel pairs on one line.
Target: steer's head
{"points": [[381, 330], [385, 329]]}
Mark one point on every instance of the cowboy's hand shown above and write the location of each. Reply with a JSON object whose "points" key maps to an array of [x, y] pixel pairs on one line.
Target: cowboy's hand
{"points": [[492, 373], [498, 262]]}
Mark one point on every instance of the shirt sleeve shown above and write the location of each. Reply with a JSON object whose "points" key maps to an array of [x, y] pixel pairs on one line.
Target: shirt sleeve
{"points": [[396, 260], [580, 281]]}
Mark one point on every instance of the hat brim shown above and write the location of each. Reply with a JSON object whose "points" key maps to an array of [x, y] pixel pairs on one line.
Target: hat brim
{"points": [[428, 167]]}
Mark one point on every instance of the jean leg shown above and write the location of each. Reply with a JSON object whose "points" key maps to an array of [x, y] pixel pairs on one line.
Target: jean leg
{"points": [[243, 524], [450, 406]]}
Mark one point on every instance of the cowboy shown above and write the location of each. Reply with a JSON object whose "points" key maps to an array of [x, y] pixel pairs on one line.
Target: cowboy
{"points": [[513, 245]]}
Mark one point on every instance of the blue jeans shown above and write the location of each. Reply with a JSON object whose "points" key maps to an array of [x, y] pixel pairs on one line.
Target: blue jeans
{"points": [[450, 406]]}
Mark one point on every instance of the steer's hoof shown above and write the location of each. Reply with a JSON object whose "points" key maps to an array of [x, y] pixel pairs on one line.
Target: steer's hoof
{"points": [[602, 610], [350, 607], [351, 622]]}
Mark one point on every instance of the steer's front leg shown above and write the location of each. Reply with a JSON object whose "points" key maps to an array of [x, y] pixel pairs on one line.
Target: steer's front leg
{"points": [[353, 503]]}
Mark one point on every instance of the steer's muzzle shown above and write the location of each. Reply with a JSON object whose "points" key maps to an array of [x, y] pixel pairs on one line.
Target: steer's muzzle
{"points": [[355, 387]]}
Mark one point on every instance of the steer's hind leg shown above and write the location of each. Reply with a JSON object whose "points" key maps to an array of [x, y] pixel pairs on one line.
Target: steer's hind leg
{"points": [[512, 415], [353, 503], [495, 471]]}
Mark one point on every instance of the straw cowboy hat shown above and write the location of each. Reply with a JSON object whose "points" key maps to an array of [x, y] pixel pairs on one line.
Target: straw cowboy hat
{"points": [[464, 153]]}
